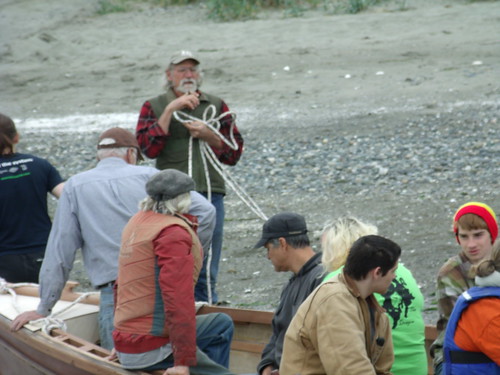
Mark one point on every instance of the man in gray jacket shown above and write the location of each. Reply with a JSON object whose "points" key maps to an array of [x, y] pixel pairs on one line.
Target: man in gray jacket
{"points": [[91, 214], [288, 248]]}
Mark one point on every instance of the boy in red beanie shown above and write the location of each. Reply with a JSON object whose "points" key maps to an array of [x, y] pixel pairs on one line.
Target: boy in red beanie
{"points": [[476, 229]]}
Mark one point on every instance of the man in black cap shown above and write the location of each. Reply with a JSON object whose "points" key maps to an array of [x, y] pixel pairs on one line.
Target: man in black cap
{"points": [[182, 143], [288, 248]]}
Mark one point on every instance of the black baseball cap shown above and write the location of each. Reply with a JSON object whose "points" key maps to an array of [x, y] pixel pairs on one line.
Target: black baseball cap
{"points": [[284, 224]]}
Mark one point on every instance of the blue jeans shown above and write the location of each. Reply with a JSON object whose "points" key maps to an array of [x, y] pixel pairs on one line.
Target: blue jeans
{"points": [[201, 288], [106, 310], [214, 333]]}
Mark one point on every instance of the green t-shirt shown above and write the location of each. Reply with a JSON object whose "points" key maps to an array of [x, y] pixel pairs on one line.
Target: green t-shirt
{"points": [[404, 303]]}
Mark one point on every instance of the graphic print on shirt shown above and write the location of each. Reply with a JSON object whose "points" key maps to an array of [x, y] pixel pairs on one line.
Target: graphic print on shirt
{"points": [[398, 286], [16, 168]]}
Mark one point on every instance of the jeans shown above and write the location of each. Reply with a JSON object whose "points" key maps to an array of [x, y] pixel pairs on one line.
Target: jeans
{"points": [[201, 289], [214, 333], [21, 268], [106, 310]]}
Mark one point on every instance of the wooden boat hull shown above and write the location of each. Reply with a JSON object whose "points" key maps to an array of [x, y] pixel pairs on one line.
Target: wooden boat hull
{"points": [[30, 352], [35, 353], [252, 330]]}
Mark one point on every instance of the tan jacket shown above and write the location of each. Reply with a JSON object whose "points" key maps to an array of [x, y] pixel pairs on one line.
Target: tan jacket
{"points": [[331, 334]]}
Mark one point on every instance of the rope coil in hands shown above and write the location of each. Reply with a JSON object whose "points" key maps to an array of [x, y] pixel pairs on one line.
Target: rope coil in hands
{"points": [[213, 123], [208, 155]]}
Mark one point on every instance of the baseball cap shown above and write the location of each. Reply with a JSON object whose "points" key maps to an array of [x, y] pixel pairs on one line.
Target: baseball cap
{"points": [[183, 55], [284, 224], [118, 137]]}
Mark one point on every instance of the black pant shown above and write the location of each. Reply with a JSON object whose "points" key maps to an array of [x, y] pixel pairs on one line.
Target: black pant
{"points": [[21, 268]]}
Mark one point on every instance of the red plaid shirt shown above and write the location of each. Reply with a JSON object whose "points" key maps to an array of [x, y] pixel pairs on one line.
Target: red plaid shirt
{"points": [[152, 138]]}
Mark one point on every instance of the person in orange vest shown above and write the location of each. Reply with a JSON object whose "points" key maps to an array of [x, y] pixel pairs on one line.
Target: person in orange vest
{"points": [[472, 339], [156, 326], [476, 229]]}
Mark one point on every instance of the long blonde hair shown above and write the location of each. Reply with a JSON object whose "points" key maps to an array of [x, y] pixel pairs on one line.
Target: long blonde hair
{"points": [[337, 238]]}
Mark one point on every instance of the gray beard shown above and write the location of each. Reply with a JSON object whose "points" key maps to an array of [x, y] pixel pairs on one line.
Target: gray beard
{"points": [[187, 88]]}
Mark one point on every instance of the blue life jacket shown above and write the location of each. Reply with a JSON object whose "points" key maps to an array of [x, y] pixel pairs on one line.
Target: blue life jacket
{"points": [[456, 360]]}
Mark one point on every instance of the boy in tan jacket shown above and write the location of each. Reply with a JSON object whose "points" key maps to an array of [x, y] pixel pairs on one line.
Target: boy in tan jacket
{"points": [[340, 328]]}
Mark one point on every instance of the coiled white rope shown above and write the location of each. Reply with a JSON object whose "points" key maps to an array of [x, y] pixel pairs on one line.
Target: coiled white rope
{"points": [[213, 123], [206, 152], [49, 322]]}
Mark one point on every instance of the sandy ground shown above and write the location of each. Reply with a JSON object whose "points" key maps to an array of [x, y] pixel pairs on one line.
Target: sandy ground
{"points": [[285, 77], [58, 58]]}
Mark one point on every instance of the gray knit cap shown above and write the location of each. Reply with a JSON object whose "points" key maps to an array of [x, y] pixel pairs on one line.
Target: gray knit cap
{"points": [[168, 184]]}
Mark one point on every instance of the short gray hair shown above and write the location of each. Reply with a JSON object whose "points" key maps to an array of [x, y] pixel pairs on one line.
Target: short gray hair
{"points": [[298, 241], [120, 152]]}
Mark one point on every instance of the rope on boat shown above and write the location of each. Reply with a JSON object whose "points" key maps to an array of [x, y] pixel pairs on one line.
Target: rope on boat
{"points": [[8, 288], [206, 152], [49, 322]]}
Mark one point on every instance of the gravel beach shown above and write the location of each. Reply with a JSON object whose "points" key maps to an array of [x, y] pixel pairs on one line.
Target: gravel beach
{"points": [[391, 116], [407, 176]]}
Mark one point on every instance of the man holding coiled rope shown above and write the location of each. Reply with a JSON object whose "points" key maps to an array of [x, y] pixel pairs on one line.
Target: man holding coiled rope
{"points": [[194, 132]]}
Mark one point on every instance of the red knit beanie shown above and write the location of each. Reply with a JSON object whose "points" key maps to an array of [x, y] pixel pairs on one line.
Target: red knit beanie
{"points": [[483, 211]]}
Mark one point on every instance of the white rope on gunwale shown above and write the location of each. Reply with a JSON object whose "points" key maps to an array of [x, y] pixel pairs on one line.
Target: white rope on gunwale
{"points": [[48, 323], [8, 288]]}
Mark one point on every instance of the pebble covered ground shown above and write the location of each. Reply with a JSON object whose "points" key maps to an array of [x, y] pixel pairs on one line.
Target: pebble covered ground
{"points": [[404, 172]]}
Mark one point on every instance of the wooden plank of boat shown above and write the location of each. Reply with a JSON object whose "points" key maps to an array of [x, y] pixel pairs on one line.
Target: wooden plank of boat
{"points": [[27, 352], [253, 330], [32, 352]]}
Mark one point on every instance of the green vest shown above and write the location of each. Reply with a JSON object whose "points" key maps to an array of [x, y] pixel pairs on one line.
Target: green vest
{"points": [[175, 154]]}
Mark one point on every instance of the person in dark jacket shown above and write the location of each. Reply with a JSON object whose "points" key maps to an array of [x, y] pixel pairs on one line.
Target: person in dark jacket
{"points": [[288, 248]]}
